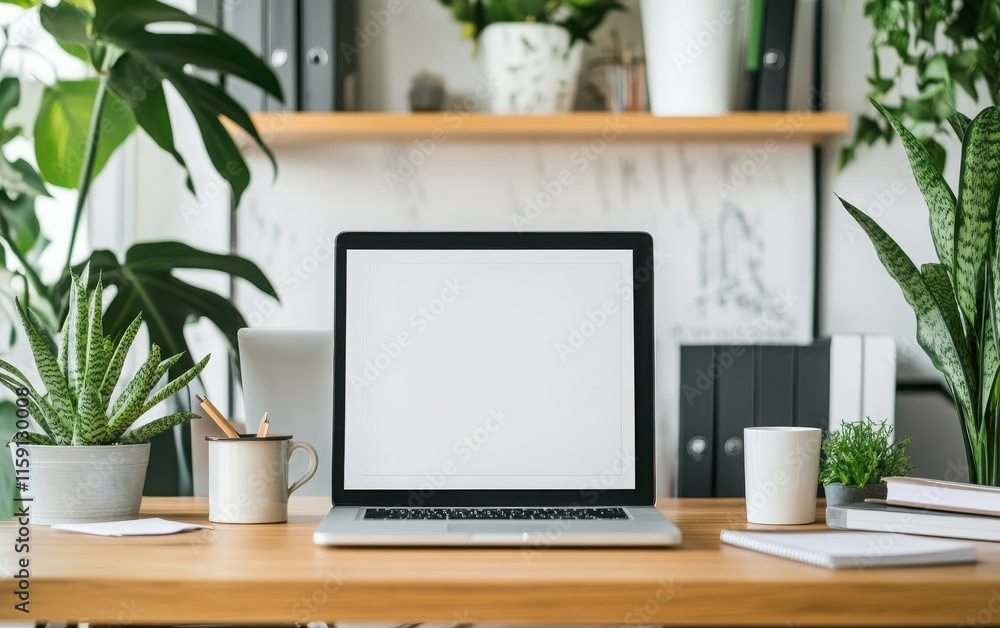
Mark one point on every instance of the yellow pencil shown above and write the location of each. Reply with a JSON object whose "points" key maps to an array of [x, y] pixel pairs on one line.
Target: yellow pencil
{"points": [[220, 420], [265, 424]]}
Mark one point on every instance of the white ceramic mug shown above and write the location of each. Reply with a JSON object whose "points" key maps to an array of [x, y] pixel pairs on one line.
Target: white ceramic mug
{"points": [[782, 474], [248, 477]]}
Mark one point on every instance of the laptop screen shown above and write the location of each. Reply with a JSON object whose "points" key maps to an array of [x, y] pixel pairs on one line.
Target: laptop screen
{"points": [[489, 369]]}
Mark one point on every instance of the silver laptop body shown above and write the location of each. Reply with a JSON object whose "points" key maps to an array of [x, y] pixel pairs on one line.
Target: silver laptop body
{"points": [[494, 389]]}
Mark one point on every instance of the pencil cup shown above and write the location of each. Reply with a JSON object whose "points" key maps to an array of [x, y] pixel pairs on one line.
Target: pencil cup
{"points": [[248, 477], [782, 474]]}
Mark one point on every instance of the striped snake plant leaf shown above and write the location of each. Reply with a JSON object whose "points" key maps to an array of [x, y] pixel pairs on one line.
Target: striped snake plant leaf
{"points": [[939, 283], [933, 334], [174, 386], [145, 433], [38, 411], [96, 359], [51, 376], [978, 192], [40, 439], [92, 423], [165, 366], [936, 191], [127, 407], [76, 350], [117, 361], [959, 123]]}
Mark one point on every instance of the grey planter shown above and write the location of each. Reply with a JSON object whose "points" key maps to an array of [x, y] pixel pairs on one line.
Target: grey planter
{"points": [[84, 484], [837, 494]]}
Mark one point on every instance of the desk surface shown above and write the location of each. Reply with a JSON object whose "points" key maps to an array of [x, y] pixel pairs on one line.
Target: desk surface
{"points": [[274, 574]]}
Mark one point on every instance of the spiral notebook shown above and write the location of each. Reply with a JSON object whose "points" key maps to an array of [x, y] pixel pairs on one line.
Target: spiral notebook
{"points": [[840, 550]]}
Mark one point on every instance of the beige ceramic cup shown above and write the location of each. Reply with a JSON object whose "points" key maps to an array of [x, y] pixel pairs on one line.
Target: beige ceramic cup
{"points": [[248, 477]]}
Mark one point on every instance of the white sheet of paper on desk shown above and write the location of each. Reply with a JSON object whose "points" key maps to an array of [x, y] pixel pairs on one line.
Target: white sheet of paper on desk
{"points": [[135, 527]]}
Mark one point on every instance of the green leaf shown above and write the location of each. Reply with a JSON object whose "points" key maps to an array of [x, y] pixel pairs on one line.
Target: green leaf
{"points": [[92, 423], [63, 124], [25, 4], [933, 334], [97, 359], [937, 194], [175, 386], [127, 408], [146, 283], [146, 432], [52, 377], [19, 224], [959, 123], [78, 339], [40, 411], [149, 58], [151, 109], [978, 193], [114, 370], [939, 284], [10, 95]]}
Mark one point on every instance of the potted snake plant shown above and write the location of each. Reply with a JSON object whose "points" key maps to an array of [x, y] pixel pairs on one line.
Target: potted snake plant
{"points": [[956, 298], [87, 462]]}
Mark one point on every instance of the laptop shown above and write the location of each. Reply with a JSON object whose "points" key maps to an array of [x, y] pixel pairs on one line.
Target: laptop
{"points": [[494, 389]]}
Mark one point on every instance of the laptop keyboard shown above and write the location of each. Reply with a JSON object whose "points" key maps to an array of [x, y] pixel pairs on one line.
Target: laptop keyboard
{"points": [[495, 513]]}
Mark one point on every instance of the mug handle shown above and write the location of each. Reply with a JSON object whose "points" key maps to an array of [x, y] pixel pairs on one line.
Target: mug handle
{"points": [[313, 464]]}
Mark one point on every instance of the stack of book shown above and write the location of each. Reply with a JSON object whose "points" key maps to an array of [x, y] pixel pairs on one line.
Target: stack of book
{"points": [[927, 507]]}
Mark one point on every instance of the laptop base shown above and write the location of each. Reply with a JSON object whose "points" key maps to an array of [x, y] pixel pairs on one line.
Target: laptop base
{"points": [[646, 527]]}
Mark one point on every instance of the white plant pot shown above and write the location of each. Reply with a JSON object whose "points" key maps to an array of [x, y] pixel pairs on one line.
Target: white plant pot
{"points": [[83, 484], [530, 68], [691, 57]]}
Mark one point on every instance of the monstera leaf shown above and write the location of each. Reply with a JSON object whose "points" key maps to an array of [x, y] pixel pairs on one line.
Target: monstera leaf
{"points": [[146, 284], [127, 43], [63, 124]]}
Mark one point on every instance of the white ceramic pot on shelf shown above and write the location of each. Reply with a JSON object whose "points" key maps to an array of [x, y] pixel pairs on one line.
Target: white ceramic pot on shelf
{"points": [[83, 484], [530, 68], [692, 61]]}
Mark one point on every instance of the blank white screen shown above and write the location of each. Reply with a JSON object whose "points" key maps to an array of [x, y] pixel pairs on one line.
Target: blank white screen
{"points": [[489, 370]]}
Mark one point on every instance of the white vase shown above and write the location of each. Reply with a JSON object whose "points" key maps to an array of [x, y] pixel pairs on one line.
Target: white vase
{"points": [[82, 484], [530, 68], [691, 56]]}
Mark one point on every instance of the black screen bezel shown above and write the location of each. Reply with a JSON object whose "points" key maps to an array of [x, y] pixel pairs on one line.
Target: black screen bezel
{"points": [[643, 264]]}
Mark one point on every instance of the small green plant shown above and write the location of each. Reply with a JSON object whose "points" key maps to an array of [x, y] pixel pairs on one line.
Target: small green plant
{"points": [[81, 373], [861, 453], [579, 17]]}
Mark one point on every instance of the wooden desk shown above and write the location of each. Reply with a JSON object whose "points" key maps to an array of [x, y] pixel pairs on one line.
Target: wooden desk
{"points": [[274, 574]]}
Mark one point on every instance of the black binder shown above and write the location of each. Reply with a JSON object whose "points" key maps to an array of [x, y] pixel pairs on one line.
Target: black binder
{"points": [[734, 398], [697, 418], [329, 71], [774, 384], [776, 56]]}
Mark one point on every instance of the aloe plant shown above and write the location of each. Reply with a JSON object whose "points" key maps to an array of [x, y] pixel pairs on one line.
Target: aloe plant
{"points": [[955, 300], [81, 373]]}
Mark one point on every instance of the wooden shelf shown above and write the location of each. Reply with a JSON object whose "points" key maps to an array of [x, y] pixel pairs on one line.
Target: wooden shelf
{"points": [[287, 128]]}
